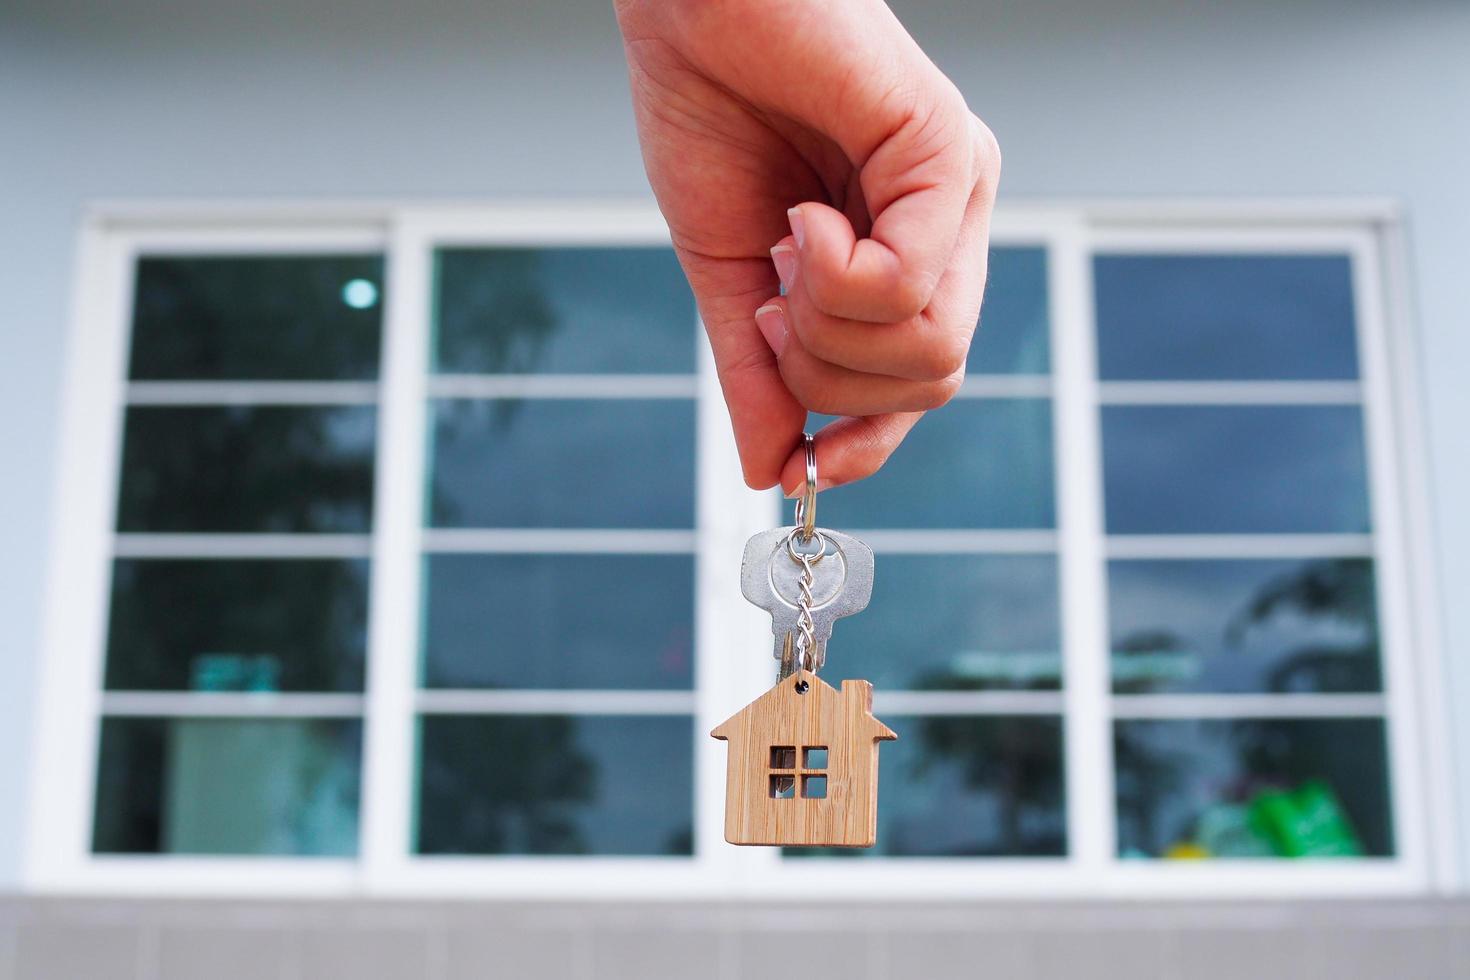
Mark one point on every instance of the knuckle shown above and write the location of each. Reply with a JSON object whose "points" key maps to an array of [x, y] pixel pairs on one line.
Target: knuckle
{"points": [[939, 393], [944, 357], [910, 294], [987, 148], [867, 450], [752, 361], [811, 332], [809, 385], [824, 290]]}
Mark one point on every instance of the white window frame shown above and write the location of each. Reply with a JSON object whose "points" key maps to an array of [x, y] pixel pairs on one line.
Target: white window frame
{"points": [[731, 639]]}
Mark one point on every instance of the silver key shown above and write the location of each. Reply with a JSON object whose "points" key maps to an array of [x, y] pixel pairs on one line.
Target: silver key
{"points": [[771, 579]]}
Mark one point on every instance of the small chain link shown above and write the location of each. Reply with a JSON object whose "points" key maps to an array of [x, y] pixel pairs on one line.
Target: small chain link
{"points": [[804, 652], [806, 627]]}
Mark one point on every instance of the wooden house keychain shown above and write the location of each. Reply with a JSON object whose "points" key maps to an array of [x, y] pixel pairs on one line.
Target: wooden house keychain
{"points": [[803, 757]]}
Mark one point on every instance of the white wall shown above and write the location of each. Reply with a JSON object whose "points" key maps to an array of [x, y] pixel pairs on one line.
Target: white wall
{"points": [[301, 98]]}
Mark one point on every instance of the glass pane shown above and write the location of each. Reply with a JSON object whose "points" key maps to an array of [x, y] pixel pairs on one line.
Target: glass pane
{"points": [[269, 317], [957, 786], [298, 625], [1244, 626], [564, 310], [1236, 317], [556, 784], [248, 468], [563, 463], [1013, 336], [954, 622], [1223, 470], [228, 786], [976, 463], [1252, 789], [560, 621]]}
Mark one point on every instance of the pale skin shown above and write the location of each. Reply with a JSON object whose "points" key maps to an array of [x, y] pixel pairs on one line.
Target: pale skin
{"points": [[811, 145]]}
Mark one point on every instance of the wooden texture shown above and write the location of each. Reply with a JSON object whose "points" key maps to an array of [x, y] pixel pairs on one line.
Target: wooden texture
{"points": [[784, 718]]}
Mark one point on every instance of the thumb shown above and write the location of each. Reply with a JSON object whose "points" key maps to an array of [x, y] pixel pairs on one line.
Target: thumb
{"points": [[917, 184]]}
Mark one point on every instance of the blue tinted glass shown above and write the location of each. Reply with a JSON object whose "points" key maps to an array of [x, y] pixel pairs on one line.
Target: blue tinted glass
{"points": [[213, 625], [559, 621], [958, 786], [556, 784], [1253, 789], [975, 463], [563, 310], [616, 463], [257, 317], [1013, 337], [1243, 626], [227, 786], [954, 622], [1240, 317], [1252, 469], [271, 468]]}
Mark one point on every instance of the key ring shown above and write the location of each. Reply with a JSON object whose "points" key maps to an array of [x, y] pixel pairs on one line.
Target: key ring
{"points": [[806, 504]]}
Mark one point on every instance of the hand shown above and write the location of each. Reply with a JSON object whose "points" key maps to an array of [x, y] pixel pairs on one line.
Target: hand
{"points": [[813, 145]]}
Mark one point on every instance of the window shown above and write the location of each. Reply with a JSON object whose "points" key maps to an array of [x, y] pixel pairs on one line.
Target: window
{"points": [[599, 596], [811, 777], [233, 670], [403, 556]]}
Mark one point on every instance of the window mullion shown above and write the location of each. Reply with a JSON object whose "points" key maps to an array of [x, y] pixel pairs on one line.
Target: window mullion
{"points": [[1088, 728], [1407, 716], [389, 729], [68, 712], [732, 639]]}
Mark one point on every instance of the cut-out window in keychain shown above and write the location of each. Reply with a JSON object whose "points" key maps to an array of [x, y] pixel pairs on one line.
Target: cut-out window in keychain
{"points": [[803, 760]]}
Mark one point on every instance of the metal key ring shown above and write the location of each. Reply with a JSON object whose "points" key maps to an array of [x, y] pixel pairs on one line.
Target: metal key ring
{"points": [[797, 556], [806, 504]]}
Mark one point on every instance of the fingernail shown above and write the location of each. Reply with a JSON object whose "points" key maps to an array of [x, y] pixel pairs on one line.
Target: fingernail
{"points": [[800, 488], [785, 261], [772, 323], [798, 225]]}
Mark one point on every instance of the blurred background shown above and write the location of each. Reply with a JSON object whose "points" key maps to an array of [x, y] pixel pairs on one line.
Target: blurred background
{"points": [[372, 525]]}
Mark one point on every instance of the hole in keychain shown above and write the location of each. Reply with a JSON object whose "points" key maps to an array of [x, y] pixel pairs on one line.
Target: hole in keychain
{"points": [[813, 550]]}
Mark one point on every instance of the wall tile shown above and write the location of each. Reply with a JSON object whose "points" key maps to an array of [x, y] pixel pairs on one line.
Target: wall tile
{"points": [[654, 955], [8, 941], [58, 951], [950, 954], [1097, 954], [504, 954], [364, 954], [1230, 954], [811, 955], [1391, 954], [196, 953], [1457, 947]]}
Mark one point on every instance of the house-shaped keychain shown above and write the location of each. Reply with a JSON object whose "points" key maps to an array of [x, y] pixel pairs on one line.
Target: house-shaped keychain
{"points": [[803, 765]]}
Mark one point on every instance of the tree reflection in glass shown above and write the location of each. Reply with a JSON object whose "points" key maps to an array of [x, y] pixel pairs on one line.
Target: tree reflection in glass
{"points": [[968, 786], [289, 625], [253, 318], [954, 623], [562, 310], [1174, 775], [1263, 626], [238, 468], [555, 784], [504, 463]]}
